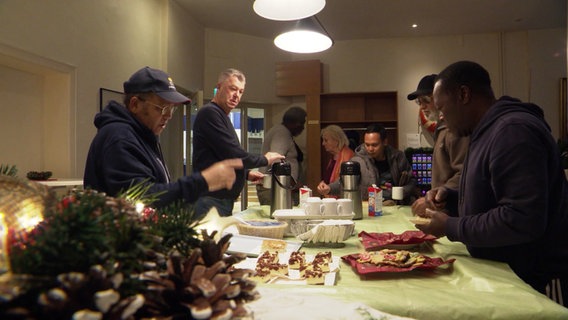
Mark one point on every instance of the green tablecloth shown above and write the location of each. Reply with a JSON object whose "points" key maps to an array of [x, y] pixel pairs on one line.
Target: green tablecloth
{"points": [[470, 289]]}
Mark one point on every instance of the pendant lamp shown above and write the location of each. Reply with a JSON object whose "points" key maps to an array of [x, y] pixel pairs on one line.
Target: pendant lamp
{"points": [[286, 10], [306, 36]]}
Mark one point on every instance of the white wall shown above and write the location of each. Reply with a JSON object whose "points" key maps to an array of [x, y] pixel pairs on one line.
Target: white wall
{"points": [[527, 65], [102, 43]]}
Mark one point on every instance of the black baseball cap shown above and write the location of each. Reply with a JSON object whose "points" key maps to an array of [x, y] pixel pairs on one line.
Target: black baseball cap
{"points": [[425, 87], [156, 81]]}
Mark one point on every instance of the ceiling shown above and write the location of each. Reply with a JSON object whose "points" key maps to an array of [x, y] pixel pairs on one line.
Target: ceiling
{"points": [[364, 19]]}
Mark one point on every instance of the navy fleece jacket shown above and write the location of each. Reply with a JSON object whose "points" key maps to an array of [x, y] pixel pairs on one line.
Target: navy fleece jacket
{"points": [[124, 152]]}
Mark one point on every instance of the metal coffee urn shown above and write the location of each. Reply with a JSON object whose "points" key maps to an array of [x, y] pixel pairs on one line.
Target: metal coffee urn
{"points": [[281, 187], [350, 178]]}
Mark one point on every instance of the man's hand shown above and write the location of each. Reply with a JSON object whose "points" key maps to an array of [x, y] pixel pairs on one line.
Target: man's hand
{"points": [[272, 157], [437, 225], [255, 177], [436, 198], [323, 188], [419, 207], [221, 175]]}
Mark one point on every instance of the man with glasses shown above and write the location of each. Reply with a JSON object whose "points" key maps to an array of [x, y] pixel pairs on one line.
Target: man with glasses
{"points": [[449, 150], [126, 150]]}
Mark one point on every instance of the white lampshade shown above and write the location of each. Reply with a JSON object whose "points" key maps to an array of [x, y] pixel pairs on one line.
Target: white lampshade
{"points": [[307, 36], [286, 10]]}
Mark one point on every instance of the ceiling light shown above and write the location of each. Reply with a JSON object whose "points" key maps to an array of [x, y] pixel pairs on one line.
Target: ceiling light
{"points": [[307, 36], [286, 10]]}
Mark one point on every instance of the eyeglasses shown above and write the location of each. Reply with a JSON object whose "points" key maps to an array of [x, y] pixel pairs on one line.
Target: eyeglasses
{"points": [[164, 109], [423, 100]]}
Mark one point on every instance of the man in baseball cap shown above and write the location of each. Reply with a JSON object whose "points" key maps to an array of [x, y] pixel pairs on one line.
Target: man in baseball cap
{"points": [[427, 114], [448, 149], [157, 81], [126, 150]]}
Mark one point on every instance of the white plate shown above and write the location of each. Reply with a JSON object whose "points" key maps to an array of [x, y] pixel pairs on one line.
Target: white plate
{"points": [[294, 275], [251, 246]]}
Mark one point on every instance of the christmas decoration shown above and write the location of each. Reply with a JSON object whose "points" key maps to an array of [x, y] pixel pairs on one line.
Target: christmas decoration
{"points": [[8, 170], [39, 175], [97, 257]]}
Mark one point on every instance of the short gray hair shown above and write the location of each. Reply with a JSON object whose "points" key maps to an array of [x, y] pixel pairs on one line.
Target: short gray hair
{"points": [[232, 73], [336, 133]]}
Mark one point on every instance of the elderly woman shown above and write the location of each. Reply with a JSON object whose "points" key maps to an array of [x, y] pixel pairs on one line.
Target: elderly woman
{"points": [[335, 143]]}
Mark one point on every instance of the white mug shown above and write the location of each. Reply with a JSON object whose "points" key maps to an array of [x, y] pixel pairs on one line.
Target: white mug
{"points": [[329, 206], [313, 206], [267, 180], [344, 207], [397, 193]]}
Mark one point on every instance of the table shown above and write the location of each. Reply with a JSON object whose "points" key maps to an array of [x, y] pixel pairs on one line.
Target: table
{"points": [[62, 183], [471, 289]]}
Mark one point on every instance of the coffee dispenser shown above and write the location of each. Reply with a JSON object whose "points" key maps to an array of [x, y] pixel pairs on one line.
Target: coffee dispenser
{"points": [[350, 178], [281, 187]]}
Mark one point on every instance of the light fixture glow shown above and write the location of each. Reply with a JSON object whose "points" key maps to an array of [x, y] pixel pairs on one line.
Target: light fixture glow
{"points": [[286, 10], [307, 36]]}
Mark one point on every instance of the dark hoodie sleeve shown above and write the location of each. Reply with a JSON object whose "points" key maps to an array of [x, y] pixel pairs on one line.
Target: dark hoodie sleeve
{"points": [[124, 163]]}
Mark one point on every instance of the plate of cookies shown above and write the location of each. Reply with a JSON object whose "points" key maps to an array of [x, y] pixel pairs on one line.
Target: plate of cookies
{"points": [[392, 260], [295, 267]]}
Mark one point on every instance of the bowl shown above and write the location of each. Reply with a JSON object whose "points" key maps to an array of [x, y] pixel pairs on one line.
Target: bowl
{"points": [[328, 231], [263, 228]]}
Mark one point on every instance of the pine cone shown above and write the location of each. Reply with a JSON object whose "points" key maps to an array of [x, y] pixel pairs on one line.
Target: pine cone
{"points": [[202, 286]]}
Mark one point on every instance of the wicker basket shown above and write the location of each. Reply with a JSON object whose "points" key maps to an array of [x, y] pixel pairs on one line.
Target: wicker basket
{"points": [[263, 228]]}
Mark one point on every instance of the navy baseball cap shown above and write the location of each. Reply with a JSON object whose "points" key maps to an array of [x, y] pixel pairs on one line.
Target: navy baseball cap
{"points": [[425, 87], [156, 81]]}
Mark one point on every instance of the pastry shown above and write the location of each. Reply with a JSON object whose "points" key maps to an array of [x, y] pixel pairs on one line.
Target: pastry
{"points": [[314, 276], [297, 258]]}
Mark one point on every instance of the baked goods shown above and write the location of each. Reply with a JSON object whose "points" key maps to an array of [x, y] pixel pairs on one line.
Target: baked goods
{"points": [[314, 276], [273, 245], [420, 220], [297, 258], [269, 266], [392, 257]]}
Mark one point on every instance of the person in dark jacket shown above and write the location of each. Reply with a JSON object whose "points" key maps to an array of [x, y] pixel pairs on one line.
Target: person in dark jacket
{"points": [[512, 204], [215, 139], [126, 150]]}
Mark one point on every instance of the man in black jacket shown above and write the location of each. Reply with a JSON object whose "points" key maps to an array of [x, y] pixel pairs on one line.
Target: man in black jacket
{"points": [[126, 150], [512, 204], [215, 139]]}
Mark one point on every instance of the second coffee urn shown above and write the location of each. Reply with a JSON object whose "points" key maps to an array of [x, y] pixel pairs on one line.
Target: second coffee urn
{"points": [[350, 178], [282, 186]]}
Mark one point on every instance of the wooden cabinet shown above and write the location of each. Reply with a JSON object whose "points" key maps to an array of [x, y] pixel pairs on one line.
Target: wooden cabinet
{"points": [[353, 112], [358, 110]]}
